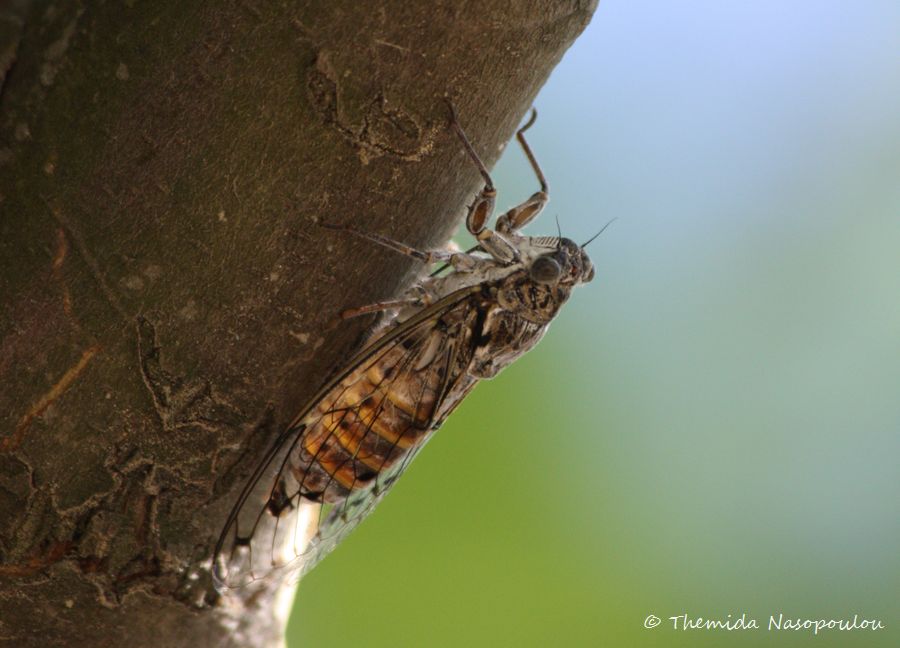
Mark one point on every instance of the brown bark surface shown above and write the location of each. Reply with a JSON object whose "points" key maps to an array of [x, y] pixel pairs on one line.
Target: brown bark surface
{"points": [[166, 298]]}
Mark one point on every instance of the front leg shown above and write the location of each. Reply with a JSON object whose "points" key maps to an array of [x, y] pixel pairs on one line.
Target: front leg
{"points": [[481, 210], [520, 215]]}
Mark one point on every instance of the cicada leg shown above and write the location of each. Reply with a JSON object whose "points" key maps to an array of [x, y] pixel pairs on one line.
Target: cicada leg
{"points": [[459, 261], [429, 257], [520, 215], [378, 307], [493, 241], [417, 295], [482, 209]]}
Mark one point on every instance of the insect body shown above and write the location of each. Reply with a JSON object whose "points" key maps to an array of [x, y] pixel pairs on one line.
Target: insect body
{"points": [[344, 450]]}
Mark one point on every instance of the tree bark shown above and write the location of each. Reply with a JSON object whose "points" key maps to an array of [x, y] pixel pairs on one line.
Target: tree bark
{"points": [[166, 298]]}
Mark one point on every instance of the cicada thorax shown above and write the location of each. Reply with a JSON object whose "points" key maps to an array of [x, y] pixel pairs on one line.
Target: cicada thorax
{"points": [[531, 301]]}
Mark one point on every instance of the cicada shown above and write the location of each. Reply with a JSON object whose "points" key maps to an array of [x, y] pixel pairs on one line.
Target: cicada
{"points": [[480, 311]]}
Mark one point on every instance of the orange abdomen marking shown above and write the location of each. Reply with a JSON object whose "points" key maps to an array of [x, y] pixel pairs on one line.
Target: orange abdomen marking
{"points": [[369, 420]]}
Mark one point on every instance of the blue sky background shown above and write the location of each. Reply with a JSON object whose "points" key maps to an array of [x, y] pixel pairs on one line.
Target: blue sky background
{"points": [[713, 426]]}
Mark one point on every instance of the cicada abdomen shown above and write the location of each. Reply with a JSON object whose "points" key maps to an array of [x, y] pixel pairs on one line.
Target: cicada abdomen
{"points": [[346, 448], [383, 409]]}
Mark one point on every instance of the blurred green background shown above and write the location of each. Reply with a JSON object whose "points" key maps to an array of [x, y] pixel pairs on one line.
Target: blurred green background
{"points": [[713, 426]]}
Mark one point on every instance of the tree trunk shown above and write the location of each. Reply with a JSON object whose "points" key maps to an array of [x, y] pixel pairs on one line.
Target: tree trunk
{"points": [[167, 300]]}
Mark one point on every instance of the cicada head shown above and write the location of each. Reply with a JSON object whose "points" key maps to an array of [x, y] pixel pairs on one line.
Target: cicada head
{"points": [[549, 269], [557, 261]]}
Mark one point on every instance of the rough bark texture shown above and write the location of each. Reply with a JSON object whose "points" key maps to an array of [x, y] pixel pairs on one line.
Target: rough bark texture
{"points": [[165, 294]]}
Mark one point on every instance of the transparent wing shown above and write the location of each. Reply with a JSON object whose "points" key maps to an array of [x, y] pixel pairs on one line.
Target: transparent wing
{"points": [[275, 526], [337, 523]]}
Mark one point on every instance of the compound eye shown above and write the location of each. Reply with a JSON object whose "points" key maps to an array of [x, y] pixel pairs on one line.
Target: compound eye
{"points": [[545, 270], [587, 268]]}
